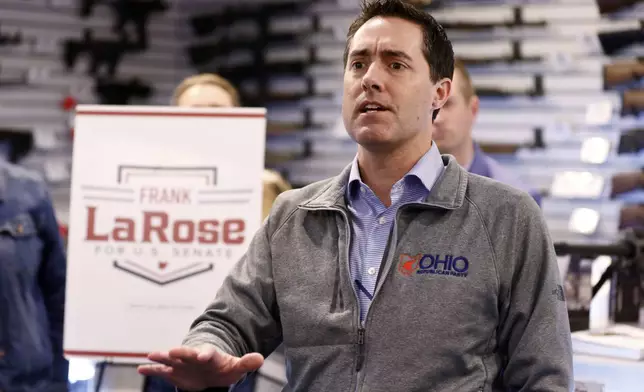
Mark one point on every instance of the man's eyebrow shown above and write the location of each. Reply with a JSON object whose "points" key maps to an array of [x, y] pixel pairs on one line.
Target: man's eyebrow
{"points": [[385, 52], [397, 53], [359, 53]]}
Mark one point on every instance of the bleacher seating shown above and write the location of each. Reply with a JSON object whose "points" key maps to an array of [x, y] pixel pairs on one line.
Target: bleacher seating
{"points": [[47, 48], [553, 76]]}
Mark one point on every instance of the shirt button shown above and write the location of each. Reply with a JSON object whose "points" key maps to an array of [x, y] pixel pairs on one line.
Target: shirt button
{"points": [[382, 220], [371, 271], [362, 190]]}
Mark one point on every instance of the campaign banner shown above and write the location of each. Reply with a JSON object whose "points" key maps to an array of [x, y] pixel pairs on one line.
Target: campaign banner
{"points": [[164, 201]]}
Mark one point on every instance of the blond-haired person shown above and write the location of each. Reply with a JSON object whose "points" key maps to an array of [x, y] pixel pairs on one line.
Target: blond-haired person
{"points": [[211, 90]]}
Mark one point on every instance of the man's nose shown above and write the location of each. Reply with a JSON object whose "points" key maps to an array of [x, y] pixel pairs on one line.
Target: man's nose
{"points": [[372, 79]]}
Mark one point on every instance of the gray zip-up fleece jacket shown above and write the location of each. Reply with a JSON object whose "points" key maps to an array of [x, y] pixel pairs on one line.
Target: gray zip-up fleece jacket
{"points": [[469, 296]]}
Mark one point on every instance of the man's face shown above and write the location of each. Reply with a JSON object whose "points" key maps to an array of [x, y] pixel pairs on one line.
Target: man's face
{"points": [[205, 95], [453, 126], [388, 92]]}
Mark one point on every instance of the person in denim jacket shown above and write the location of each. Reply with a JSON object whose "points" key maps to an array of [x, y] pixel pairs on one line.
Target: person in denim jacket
{"points": [[32, 286]]}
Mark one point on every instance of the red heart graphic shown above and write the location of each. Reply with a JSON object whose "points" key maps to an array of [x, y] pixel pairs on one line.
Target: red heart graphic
{"points": [[163, 264]]}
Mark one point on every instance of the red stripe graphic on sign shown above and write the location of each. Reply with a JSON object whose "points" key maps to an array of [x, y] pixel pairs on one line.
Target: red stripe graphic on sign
{"points": [[106, 354], [173, 114]]}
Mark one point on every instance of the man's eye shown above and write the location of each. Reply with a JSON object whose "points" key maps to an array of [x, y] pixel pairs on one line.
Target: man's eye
{"points": [[396, 66], [357, 65]]}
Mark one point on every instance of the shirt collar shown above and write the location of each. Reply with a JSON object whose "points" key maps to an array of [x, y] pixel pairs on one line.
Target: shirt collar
{"points": [[428, 168]]}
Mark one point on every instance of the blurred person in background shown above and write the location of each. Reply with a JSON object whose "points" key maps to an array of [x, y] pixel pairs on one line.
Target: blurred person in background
{"points": [[206, 91], [32, 284], [453, 133], [213, 91]]}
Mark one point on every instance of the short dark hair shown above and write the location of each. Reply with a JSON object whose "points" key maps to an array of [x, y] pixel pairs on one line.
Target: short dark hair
{"points": [[437, 47]]}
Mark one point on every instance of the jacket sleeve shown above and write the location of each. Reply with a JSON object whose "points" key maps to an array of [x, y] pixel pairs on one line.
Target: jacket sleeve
{"points": [[52, 282], [243, 317], [534, 330]]}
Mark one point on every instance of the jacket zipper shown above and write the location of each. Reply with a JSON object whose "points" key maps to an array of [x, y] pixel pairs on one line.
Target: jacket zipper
{"points": [[361, 329], [360, 360], [393, 238]]}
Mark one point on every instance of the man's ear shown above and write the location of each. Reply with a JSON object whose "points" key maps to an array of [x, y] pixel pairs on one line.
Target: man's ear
{"points": [[443, 89], [474, 105]]}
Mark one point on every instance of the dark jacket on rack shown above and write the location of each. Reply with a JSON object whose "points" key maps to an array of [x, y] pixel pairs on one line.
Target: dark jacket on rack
{"points": [[32, 286]]}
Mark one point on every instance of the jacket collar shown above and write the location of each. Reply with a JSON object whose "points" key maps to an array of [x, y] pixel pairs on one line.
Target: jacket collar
{"points": [[426, 171], [448, 191]]}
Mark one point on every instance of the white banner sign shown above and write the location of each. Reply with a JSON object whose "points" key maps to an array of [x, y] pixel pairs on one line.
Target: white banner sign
{"points": [[164, 201]]}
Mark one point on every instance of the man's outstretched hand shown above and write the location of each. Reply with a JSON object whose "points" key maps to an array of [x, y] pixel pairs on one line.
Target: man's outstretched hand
{"points": [[196, 369]]}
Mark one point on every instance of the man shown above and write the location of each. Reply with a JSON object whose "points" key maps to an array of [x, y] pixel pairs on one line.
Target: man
{"points": [[212, 90], [453, 133], [403, 273], [32, 286]]}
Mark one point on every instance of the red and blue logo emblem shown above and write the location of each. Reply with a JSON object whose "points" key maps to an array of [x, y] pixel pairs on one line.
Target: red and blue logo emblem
{"points": [[433, 264]]}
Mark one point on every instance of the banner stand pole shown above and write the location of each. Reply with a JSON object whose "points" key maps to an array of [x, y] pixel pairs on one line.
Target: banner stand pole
{"points": [[99, 378]]}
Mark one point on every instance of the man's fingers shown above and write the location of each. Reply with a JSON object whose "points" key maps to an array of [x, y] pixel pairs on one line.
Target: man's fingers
{"points": [[172, 362], [183, 366], [164, 358], [158, 356], [185, 354], [209, 352], [250, 362], [154, 370]]}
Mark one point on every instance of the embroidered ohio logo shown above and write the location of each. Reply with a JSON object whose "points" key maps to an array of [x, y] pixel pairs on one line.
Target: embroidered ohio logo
{"points": [[433, 264]]}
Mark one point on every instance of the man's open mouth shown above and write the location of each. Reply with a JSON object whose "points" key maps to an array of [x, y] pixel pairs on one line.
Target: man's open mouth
{"points": [[372, 107]]}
